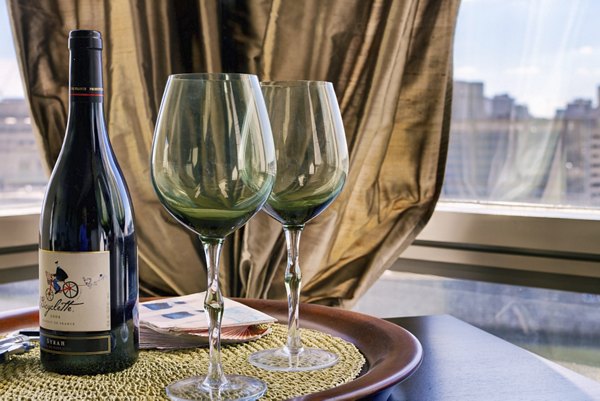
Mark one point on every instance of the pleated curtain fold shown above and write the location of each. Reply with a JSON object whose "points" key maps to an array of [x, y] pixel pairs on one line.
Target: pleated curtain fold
{"points": [[390, 63]]}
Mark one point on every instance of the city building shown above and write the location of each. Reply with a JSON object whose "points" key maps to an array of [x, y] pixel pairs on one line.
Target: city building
{"points": [[580, 132], [498, 151]]}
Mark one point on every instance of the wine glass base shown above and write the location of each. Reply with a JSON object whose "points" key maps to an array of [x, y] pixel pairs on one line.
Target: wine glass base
{"points": [[280, 359], [237, 388]]}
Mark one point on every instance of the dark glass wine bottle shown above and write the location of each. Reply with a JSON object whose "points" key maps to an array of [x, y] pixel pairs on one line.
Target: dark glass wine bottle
{"points": [[88, 255]]}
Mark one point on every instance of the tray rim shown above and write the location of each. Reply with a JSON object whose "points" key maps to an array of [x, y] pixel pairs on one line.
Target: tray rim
{"points": [[377, 339]]}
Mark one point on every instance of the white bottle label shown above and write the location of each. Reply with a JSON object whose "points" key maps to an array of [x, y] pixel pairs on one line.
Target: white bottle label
{"points": [[74, 290]]}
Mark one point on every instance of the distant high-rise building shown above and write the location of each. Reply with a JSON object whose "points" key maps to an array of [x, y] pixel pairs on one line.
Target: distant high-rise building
{"points": [[580, 134], [521, 112], [499, 152], [502, 107], [468, 101], [579, 109]]}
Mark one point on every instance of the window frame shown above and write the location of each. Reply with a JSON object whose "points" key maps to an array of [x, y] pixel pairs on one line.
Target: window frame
{"points": [[19, 244], [466, 240], [516, 244]]}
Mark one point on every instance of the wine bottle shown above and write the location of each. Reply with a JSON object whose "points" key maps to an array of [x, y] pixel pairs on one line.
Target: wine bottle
{"points": [[88, 257]]}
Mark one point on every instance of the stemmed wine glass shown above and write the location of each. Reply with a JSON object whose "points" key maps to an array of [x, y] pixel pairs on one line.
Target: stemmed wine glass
{"points": [[312, 164], [213, 167]]}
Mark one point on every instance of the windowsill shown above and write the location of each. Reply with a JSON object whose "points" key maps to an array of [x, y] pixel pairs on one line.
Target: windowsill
{"points": [[20, 210], [526, 210], [549, 232]]}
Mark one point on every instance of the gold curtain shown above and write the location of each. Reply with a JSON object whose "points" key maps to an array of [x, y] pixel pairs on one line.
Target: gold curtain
{"points": [[390, 63]]}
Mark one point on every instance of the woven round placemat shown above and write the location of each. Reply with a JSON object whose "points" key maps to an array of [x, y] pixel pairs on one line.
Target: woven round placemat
{"points": [[24, 379]]}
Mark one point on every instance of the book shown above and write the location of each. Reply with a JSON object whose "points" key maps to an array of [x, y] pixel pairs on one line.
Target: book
{"points": [[181, 322]]}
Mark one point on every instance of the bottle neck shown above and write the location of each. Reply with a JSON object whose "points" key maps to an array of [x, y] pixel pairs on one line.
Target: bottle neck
{"points": [[85, 78], [86, 125]]}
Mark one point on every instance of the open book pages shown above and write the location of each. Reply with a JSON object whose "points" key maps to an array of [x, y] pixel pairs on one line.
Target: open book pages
{"points": [[181, 322]]}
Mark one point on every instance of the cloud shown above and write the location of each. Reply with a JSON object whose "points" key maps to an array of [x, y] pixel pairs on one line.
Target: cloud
{"points": [[466, 72], [585, 50], [588, 72], [523, 70]]}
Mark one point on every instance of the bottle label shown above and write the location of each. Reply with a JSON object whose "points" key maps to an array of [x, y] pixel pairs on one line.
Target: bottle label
{"points": [[89, 345], [74, 291]]}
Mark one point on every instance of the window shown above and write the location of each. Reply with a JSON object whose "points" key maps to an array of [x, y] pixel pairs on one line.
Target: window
{"points": [[521, 188], [22, 177], [560, 325], [525, 118], [521, 198]]}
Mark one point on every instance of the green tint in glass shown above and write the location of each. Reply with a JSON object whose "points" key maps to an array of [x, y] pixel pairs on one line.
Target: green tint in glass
{"points": [[312, 164], [213, 167], [213, 160], [312, 156]]}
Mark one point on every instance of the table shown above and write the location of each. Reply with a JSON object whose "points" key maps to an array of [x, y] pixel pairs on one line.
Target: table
{"points": [[462, 362]]}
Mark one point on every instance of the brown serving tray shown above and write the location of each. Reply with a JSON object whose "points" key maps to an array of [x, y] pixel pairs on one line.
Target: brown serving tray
{"points": [[392, 353]]}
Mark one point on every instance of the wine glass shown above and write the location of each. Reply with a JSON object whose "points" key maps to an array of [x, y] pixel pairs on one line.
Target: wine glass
{"points": [[213, 167], [312, 164]]}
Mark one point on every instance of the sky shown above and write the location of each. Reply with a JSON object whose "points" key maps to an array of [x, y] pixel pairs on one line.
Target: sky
{"points": [[10, 79], [543, 53]]}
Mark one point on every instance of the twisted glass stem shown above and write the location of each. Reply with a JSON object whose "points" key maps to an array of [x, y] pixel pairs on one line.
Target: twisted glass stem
{"points": [[213, 306], [293, 284]]}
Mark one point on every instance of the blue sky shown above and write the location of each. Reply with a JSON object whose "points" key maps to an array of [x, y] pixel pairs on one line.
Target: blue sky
{"points": [[10, 80], [544, 53], [5, 44]]}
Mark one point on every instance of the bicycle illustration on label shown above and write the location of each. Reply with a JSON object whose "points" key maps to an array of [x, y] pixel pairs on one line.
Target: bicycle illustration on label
{"points": [[58, 282], [69, 288]]}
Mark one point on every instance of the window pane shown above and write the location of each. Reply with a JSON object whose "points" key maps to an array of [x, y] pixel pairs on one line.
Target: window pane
{"points": [[19, 294], [525, 103], [559, 325], [22, 177]]}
